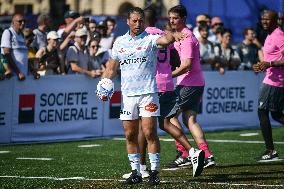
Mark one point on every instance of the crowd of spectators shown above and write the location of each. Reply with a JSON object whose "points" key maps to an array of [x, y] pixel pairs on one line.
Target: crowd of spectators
{"points": [[82, 46]]}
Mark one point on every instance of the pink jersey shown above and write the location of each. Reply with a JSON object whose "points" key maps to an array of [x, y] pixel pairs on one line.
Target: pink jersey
{"points": [[163, 73], [189, 48], [272, 51]]}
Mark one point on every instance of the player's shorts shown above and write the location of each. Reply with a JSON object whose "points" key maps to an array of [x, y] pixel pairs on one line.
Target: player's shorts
{"points": [[146, 105], [190, 98], [168, 104], [271, 98]]}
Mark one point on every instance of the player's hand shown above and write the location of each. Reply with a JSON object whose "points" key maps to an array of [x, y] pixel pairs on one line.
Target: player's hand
{"points": [[21, 76], [105, 89], [260, 66]]}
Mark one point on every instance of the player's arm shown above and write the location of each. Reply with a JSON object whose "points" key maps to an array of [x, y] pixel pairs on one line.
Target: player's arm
{"points": [[111, 69], [169, 38], [185, 66]]}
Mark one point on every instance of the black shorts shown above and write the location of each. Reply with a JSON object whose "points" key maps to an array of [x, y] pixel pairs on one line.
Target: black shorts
{"points": [[190, 98], [271, 98], [168, 104]]}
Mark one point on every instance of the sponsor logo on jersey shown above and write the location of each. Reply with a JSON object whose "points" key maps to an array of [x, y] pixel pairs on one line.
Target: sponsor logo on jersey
{"points": [[121, 50], [151, 107], [133, 60]]}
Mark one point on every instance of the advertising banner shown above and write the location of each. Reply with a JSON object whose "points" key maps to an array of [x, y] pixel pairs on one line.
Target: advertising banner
{"points": [[56, 108]]}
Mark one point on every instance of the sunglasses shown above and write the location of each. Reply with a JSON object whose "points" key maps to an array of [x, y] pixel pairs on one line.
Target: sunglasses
{"points": [[95, 46], [21, 21]]}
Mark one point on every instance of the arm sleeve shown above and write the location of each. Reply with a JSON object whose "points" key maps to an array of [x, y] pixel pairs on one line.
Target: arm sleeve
{"points": [[72, 55]]}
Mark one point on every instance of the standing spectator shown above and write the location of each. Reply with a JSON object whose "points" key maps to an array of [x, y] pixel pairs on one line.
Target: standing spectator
{"points": [[200, 19], [261, 33], [106, 41], [216, 23], [71, 19], [13, 46], [77, 57], [226, 57], [206, 48], [40, 33], [249, 52], [32, 63], [48, 57], [97, 62], [111, 25], [280, 20], [271, 97], [190, 81]]}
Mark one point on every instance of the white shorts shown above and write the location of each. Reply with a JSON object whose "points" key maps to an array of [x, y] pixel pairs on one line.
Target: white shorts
{"points": [[146, 105]]}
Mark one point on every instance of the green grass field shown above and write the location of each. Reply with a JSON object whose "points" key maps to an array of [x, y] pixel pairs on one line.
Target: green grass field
{"points": [[103, 165]]}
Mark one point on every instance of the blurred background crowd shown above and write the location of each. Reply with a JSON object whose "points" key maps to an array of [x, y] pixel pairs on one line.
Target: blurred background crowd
{"points": [[48, 37]]}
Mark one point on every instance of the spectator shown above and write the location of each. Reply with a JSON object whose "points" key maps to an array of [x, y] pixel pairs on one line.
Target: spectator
{"points": [[32, 63], [206, 48], [5, 71], [200, 19], [77, 57], [106, 40], [280, 20], [71, 19], [249, 52], [226, 57], [111, 25], [92, 31], [49, 63], [216, 23], [97, 62], [40, 33], [14, 48]]}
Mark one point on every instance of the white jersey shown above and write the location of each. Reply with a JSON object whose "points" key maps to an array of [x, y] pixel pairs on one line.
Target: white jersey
{"points": [[137, 57]]}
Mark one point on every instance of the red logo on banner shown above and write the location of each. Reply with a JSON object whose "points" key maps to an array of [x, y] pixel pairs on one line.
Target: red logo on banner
{"points": [[26, 108], [151, 107], [115, 105]]}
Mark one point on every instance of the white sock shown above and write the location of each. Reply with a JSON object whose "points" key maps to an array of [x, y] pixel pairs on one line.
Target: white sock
{"points": [[134, 160]]}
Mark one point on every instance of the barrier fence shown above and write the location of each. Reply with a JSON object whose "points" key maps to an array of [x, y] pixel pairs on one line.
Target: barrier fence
{"points": [[67, 108]]}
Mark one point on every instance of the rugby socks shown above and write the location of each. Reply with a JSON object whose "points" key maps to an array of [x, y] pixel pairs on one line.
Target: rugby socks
{"points": [[134, 160], [266, 129], [154, 160], [143, 167], [182, 149], [203, 146]]}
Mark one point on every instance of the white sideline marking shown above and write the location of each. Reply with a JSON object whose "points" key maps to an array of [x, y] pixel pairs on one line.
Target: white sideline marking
{"points": [[162, 181], [42, 159], [225, 141], [4, 152], [89, 145], [249, 134]]}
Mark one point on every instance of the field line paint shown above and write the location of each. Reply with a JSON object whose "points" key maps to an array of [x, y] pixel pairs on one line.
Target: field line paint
{"points": [[4, 152], [248, 134], [162, 181], [89, 145], [28, 158]]}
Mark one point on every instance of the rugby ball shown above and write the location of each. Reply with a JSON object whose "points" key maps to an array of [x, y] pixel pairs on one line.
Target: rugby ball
{"points": [[105, 89]]}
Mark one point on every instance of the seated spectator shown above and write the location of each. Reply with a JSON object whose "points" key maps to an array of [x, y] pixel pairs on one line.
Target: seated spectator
{"points": [[226, 58], [206, 48], [249, 52], [32, 63], [40, 32], [48, 57], [5, 71], [14, 48], [77, 57], [97, 62], [216, 23]]}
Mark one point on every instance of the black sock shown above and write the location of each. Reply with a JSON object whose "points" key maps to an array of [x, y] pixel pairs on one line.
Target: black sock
{"points": [[266, 129]]}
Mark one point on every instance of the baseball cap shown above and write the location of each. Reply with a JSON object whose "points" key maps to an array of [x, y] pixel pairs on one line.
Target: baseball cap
{"points": [[216, 20], [71, 14], [52, 35], [81, 32], [201, 18]]}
